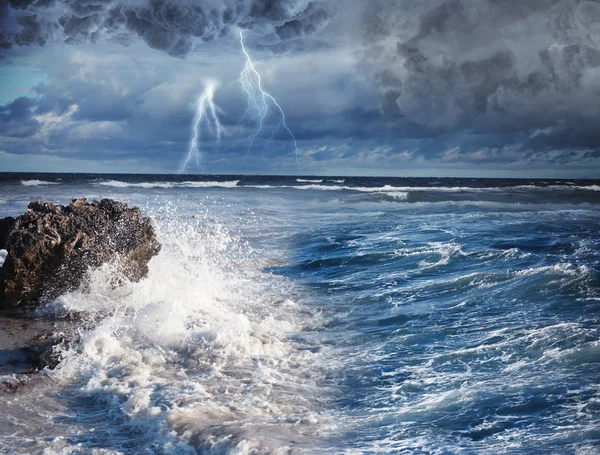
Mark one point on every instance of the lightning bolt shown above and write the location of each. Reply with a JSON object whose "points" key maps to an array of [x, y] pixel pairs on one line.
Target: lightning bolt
{"points": [[206, 113], [258, 104]]}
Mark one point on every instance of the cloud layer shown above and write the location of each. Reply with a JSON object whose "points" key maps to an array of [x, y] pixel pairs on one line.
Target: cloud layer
{"points": [[388, 84], [173, 26], [519, 69]]}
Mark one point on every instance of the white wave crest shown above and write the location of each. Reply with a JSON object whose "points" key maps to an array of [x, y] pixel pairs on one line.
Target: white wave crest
{"points": [[398, 192], [567, 187], [387, 190], [121, 184], [400, 195], [229, 184], [565, 269], [37, 182]]}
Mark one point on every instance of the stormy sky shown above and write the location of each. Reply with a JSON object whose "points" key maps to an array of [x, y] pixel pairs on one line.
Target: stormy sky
{"points": [[384, 87]]}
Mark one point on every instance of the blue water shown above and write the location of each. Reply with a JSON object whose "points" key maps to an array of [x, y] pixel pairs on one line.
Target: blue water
{"points": [[331, 315]]}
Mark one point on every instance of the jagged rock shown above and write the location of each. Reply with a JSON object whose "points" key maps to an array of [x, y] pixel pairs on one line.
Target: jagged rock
{"points": [[51, 247]]}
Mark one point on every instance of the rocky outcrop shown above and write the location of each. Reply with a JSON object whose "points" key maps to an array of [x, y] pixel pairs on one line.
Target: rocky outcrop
{"points": [[51, 247]]}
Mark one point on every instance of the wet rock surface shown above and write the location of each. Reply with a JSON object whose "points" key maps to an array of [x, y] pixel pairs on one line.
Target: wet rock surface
{"points": [[49, 250], [29, 345], [51, 247]]}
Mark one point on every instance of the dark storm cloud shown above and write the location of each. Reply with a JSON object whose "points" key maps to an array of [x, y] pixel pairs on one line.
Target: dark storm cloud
{"points": [[441, 82], [522, 70], [174, 26], [16, 119]]}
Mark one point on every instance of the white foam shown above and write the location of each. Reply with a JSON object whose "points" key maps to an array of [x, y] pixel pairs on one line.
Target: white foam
{"points": [[437, 189], [377, 189], [317, 187], [397, 192], [400, 195], [147, 185], [3, 255], [199, 353], [558, 269], [116, 183], [120, 184], [229, 184], [309, 181], [386, 190], [445, 251], [570, 186], [37, 182]]}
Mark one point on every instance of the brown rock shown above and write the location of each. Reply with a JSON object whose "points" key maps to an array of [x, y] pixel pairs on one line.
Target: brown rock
{"points": [[51, 247]]}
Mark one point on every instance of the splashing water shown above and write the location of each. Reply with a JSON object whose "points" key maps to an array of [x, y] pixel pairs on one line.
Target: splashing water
{"points": [[200, 356]]}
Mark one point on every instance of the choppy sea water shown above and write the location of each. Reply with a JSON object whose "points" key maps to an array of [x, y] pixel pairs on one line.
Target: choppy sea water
{"points": [[328, 315]]}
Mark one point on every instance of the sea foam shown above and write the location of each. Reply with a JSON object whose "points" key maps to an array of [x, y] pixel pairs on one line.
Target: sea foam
{"points": [[37, 182], [198, 354], [147, 185]]}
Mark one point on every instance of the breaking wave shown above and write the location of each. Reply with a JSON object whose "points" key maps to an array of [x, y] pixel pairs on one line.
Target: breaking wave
{"points": [[190, 184], [203, 355], [37, 182]]}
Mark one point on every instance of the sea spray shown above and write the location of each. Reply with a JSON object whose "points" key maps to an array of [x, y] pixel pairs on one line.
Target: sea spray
{"points": [[201, 354]]}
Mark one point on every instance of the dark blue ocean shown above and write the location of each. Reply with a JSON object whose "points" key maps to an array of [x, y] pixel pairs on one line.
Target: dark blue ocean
{"points": [[328, 315]]}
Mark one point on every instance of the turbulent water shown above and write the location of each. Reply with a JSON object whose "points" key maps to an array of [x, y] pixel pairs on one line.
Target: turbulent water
{"points": [[333, 315]]}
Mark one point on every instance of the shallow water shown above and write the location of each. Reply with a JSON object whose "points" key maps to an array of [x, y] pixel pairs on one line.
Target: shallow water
{"points": [[329, 315]]}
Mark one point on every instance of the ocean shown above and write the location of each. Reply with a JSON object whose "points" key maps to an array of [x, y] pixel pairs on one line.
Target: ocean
{"points": [[327, 315]]}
